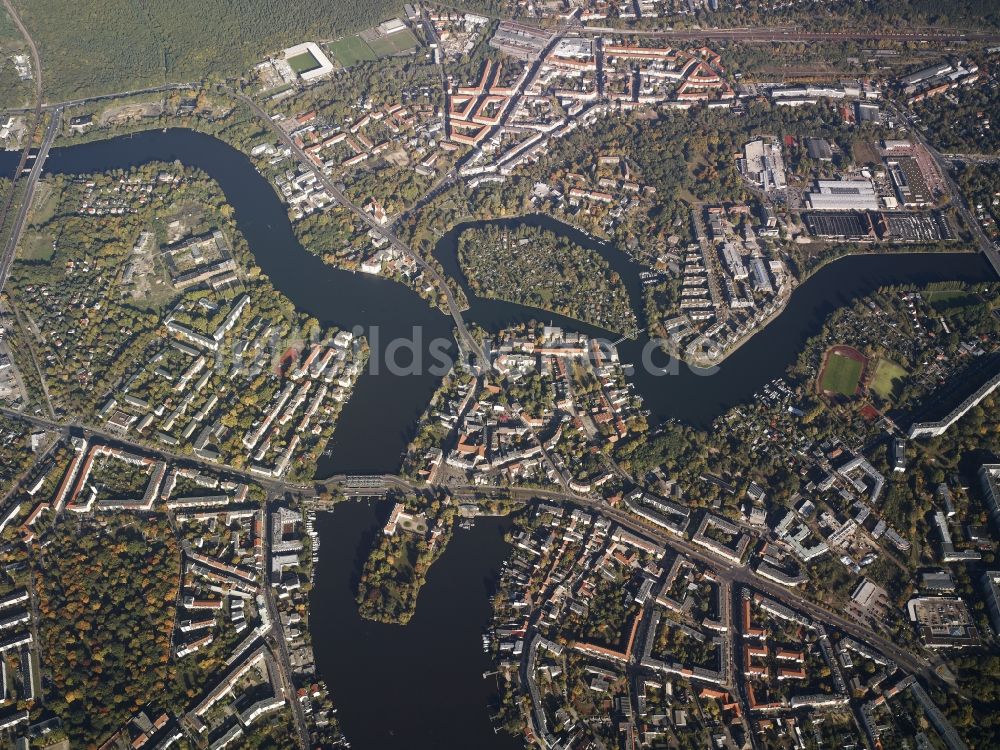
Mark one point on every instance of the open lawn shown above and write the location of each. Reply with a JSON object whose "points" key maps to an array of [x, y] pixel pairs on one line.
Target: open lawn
{"points": [[303, 63], [888, 378], [351, 50], [841, 373], [393, 44], [943, 300], [36, 246]]}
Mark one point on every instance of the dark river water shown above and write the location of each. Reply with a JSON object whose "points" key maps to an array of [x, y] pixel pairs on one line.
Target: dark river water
{"points": [[695, 396], [8, 162], [420, 687], [377, 422]]}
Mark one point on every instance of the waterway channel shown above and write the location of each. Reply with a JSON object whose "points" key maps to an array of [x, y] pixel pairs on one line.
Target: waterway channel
{"points": [[421, 686]]}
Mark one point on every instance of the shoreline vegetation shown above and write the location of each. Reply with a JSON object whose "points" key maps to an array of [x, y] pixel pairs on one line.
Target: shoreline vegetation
{"points": [[233, 125], [415, 536], [241, 132]]}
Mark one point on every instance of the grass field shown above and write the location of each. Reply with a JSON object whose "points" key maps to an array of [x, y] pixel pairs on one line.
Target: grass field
{"points": [[393, 44], [943, 300], [303, 63], [888, 378], [841, 374], [36, 246], [351, 50]]}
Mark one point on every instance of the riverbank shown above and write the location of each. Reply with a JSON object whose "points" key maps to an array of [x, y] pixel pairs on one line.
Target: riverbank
{"points": [[540, 268]]}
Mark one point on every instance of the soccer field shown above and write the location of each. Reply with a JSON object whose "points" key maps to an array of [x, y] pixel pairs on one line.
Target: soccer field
{"points": [[393, 44], [351, 50], [303, 63], [841, 374]]}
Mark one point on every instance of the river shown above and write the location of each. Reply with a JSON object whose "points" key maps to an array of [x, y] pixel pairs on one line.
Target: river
{"points": [[377, 422], [692, 395], [420, 686]]}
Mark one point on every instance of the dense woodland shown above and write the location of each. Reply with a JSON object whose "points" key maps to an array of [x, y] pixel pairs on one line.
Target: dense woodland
{"points": [[106, 599], [965, 120], [878, 14], [397, 567], [117, 45]]}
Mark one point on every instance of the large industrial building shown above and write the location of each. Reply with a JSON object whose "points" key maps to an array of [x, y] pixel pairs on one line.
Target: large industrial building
{"points": [[763, 164], [819, 149], [843, 195], [841, 225]]}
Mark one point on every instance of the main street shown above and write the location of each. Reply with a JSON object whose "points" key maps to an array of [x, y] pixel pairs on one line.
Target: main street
{"points": [[10, 248], [67, 428], [275, 636], [795, 35], [107, 97], [731, 574], [958, 200], [279, 647], [466, 339], [734, 574]]}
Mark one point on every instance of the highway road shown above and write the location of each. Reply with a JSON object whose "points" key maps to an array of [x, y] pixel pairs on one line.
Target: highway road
{"points": [[36, 121], [733, 574], [275, 486], [973, 158], [10, 247], [107, 97], [957, 198]]}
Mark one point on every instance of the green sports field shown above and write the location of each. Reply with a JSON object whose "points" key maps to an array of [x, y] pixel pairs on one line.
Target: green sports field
{"points": [[351, 50], [888, 378], [393, 44], [841, 374], [303, 63]]}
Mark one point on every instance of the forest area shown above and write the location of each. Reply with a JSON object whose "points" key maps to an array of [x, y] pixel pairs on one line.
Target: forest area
{"points": [[116, 45], [106, 599]]}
